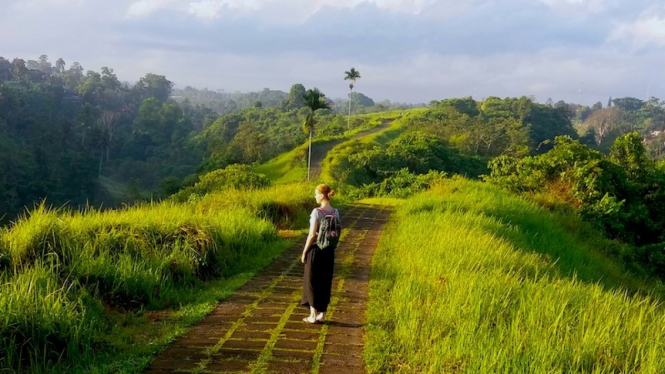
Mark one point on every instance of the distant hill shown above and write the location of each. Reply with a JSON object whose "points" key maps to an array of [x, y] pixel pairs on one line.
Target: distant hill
{"points": [[224, 102]]}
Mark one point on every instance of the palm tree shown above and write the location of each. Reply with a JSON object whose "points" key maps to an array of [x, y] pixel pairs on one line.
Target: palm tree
{"points": [[314, 100], [352, 75]]}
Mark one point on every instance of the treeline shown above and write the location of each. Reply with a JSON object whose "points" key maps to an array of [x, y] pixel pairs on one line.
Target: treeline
{"points": [[455, 136], [76, 137], [600, 126], [621, 193], [460, 136], [62, 129], [224, 102]]}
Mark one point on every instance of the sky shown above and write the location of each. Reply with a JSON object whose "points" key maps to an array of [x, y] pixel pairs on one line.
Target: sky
{"points": [[410, 51]]}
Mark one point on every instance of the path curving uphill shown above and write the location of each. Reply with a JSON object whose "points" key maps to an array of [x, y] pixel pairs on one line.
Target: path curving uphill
{"points": [[320, 150], [259, 329]]}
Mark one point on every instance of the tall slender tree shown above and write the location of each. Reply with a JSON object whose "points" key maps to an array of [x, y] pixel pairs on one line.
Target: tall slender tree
{"points": [[352, 75], [314, 100]]}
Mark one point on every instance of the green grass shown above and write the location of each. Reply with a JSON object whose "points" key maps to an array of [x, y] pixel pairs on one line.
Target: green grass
{"points": [[394, 130], [286, 168], [72, 281], [385, 201], [471, 279], [290, 167], [337, 158]]}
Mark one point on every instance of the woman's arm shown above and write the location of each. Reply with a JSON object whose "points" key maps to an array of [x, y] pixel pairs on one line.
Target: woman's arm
{"points": [[313, 223]]}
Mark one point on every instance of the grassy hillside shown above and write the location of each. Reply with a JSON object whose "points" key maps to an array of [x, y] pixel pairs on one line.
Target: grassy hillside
{"points": [[472, 279], [336, 157], [292, 166], [71, 281]]}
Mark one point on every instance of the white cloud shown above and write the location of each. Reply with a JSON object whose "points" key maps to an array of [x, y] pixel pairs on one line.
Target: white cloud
{"points": [[211, 8], [205, 8], [575, 76], [647, 29], [290, 9], [543, 48], [143, 8]]}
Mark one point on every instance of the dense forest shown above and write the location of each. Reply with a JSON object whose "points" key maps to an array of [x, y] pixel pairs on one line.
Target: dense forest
{"points": [[463, 135], [580, 183], [84, 137], [223, 102]]}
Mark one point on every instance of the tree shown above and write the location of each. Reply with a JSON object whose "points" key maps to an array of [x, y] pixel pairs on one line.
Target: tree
{"points": [[295, 99], [314, 100], [91, 89], [352, 75], [5, 70], [60, 66], [153, 85], [629, 153], [74, 76], [109, 79], [45, 65], [361, 100], [108, 121], [20, 72], [603, 122], [464, 105], [628, 104]]}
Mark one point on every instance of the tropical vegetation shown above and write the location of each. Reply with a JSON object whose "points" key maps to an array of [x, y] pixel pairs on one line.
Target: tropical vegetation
{"points": [[526, 237]]}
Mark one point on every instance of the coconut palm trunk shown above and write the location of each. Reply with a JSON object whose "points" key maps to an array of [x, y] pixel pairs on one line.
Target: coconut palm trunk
{"points": [[348, 118], [352, 75], [309, 158]]}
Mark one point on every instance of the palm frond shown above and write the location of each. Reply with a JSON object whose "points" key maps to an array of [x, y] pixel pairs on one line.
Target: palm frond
{"points": [[315, 100], [352, 75]]}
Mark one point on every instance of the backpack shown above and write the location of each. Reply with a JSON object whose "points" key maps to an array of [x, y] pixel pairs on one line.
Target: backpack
{"points": [[329, 231]]}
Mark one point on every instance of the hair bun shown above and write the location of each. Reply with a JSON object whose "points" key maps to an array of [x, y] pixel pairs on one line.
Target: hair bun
{"points": [[331, 193]]}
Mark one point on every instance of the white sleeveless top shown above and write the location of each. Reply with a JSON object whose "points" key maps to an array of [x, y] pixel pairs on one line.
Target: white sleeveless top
{"points": [[318, 215]]}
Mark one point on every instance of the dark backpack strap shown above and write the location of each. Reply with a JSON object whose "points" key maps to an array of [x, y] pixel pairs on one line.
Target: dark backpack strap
{"points": [[326, 214]]}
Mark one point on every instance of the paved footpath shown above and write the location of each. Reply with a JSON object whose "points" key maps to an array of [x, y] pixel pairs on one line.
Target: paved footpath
{"points": [[259, 329]]}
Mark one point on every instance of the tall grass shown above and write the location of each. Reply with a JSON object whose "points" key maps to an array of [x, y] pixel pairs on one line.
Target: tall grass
{"points": [[43, 318], [290, 167], [337, 158], [471, 279], [286, 168], [64, 273]]}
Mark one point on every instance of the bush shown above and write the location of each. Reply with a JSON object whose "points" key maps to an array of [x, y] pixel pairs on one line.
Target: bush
{"points": [[233, 176], [401, 185], [623, 194], [356, 164]]}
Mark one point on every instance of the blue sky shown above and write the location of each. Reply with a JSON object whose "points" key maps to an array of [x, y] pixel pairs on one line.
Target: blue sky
{"points": [[406, 50]]}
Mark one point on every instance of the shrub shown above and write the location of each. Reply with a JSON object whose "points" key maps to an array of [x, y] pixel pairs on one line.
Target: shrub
{"points": [[623, 194], [233, 176], [401, 185]]}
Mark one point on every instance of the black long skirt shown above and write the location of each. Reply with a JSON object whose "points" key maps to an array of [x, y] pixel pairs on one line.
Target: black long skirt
{"points": [[317, 285]]}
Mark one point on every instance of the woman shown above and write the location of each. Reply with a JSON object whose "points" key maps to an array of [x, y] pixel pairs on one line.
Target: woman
{"points": [[319, 264]]}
